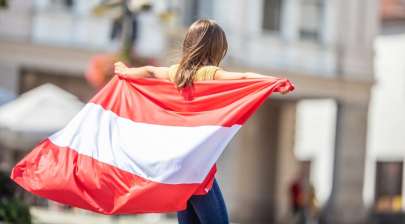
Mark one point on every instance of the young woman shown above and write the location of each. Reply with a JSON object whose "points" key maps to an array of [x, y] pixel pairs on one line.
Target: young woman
{"points": [[204, 47]]}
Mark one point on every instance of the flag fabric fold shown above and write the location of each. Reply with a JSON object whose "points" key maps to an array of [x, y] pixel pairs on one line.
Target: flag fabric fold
{"points": [[140, 145]]}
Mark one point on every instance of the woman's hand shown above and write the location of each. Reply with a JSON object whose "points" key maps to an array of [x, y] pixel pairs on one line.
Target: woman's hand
{"points": [[121, 69], [286, 88]]}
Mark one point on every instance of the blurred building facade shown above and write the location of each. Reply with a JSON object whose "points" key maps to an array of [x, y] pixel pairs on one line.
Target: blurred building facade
{"points": [[384, 171], [385, 156], [324, 46]]}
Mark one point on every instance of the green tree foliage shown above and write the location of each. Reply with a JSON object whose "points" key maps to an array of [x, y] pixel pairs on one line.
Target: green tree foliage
{"points": [[12, 208], [3, 4]]}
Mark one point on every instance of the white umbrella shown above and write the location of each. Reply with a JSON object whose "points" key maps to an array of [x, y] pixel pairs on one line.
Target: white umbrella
{"points": [[35, 115]]}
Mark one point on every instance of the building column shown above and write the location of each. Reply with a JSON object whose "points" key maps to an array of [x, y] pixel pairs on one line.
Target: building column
{"points": [[287, 163], [290, 20], [356, 28], [250, 166], [346, 205], [258, 165]]}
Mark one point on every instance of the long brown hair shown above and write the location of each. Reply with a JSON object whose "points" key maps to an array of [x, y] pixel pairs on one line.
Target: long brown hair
{"points": [[204, 44]]}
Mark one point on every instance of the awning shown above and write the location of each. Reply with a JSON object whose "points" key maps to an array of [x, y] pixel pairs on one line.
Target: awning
{"points": [[35, 115]]}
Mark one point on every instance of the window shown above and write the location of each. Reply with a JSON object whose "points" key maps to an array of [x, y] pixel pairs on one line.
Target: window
{"points": [[388, 187], [196, 9], [68, 4], [272, 15], [310, 19]]}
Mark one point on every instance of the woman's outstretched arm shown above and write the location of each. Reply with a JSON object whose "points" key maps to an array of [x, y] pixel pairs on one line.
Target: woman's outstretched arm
{"points": [[139, 72], [221, 74]]}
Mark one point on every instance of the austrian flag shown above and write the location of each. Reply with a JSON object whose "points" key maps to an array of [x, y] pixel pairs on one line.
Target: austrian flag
{"points": [[141, 145]]}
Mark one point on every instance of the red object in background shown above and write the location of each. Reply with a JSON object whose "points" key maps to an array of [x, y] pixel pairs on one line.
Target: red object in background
{"points": [[297, 196], [100, 69], [392, 10]]}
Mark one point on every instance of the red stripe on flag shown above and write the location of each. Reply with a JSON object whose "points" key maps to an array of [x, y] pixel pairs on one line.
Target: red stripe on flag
{"points": [[63, 175], [210, 102]]}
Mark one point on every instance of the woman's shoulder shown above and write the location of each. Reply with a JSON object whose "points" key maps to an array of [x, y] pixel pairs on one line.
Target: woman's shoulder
{"points": [[207, 72], [171, 71], [173, 66]]}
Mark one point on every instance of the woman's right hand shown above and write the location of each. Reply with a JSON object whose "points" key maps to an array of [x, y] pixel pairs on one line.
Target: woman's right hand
{"points": [[121, 69]]}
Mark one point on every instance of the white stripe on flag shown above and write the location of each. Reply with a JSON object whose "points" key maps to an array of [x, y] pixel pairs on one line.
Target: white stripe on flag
{"points": [[165, 154]]}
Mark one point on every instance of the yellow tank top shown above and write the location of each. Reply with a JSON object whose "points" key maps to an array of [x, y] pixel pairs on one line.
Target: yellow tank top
{"points": [[204, 73]]}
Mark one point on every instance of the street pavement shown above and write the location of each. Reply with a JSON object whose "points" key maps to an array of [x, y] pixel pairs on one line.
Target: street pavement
{"points": [[79, 216]]}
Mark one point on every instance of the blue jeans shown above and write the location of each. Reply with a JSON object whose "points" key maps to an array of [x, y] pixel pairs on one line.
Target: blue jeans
{"points": [[205, 209]]}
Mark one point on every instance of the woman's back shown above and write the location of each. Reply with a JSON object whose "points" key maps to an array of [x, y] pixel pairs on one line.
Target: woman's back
{"points": [[203, 73]]}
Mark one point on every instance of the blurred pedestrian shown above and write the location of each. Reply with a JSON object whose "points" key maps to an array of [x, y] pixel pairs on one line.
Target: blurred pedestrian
{"points": [[304, 204], [297, 201]]}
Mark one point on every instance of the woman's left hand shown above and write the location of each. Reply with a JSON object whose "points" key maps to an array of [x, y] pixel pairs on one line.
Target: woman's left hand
{"points": [[286, 87], [284, 90]]}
